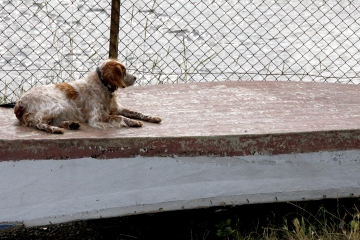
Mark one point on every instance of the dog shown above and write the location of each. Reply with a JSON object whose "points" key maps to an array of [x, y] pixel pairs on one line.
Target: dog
{"points": [[92, 100]]}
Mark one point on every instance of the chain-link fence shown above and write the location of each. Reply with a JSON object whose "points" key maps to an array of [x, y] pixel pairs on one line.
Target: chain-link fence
{"points": [[180, 41], [44, 42], [193, 40]]}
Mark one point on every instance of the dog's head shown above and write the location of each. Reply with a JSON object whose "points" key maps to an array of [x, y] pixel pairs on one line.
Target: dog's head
{"points": [[114, 74]]}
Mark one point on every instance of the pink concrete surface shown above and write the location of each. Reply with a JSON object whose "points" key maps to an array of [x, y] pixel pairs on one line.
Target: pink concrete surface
{"points": [[213, 119]]}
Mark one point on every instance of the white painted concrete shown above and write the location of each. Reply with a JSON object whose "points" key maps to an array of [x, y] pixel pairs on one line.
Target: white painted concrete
{"points": [[53, 191]]}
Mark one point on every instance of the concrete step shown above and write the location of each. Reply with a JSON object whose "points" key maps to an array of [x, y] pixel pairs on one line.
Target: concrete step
{"points": [[223, 143]]}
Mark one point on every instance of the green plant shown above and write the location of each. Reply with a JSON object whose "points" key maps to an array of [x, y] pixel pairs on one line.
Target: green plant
{"points": [[224, 228]]}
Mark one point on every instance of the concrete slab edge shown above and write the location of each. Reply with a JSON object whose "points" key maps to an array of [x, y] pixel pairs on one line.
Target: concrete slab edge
{"points": [[186, 146]]}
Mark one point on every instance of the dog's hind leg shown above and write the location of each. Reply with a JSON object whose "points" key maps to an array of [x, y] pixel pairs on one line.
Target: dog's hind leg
{"points": [[72, 125], [35, 120], [43, 125]]}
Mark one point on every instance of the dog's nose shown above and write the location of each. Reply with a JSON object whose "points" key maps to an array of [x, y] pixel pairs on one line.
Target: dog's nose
{"points": [[135, 78]]}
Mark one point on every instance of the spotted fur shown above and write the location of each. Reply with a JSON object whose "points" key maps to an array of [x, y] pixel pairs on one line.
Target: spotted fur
{"points": [[56, 107]]}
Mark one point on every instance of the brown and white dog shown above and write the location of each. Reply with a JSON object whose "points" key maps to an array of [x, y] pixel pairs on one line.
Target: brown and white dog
{"points": [[89, 100]]}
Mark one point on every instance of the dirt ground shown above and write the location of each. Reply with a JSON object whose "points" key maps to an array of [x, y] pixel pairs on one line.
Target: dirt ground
{"points": [[211, 223]]}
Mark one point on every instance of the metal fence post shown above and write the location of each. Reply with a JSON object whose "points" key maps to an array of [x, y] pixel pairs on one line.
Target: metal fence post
{"points": [[114, 29]]}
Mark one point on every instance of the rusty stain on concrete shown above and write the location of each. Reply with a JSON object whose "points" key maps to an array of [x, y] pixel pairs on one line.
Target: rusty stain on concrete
{"points": [[211, 119]]}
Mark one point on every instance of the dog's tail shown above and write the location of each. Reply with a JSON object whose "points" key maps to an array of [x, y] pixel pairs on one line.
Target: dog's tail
{"points": [[8, 105]]}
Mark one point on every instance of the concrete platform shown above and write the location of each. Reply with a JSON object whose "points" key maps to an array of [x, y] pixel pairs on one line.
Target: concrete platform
{"points": [[219, 144]]}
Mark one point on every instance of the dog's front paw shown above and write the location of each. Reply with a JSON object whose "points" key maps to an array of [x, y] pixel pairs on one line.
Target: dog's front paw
{"points": [[132, 123], [152, 119], [72, 125], [100, 125], [155, 119], [135, 123], [57, 130]]}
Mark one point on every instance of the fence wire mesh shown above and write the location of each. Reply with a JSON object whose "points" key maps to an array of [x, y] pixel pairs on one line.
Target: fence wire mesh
{"points": [[44, 42], [172, 41], [189, 40]]}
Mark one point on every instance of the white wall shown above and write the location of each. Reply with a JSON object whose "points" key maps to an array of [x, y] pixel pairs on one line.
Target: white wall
{"points": [[53, 191]]}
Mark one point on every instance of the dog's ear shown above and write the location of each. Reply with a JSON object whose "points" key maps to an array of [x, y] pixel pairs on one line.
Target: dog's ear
{"points": [[113, 74]]}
